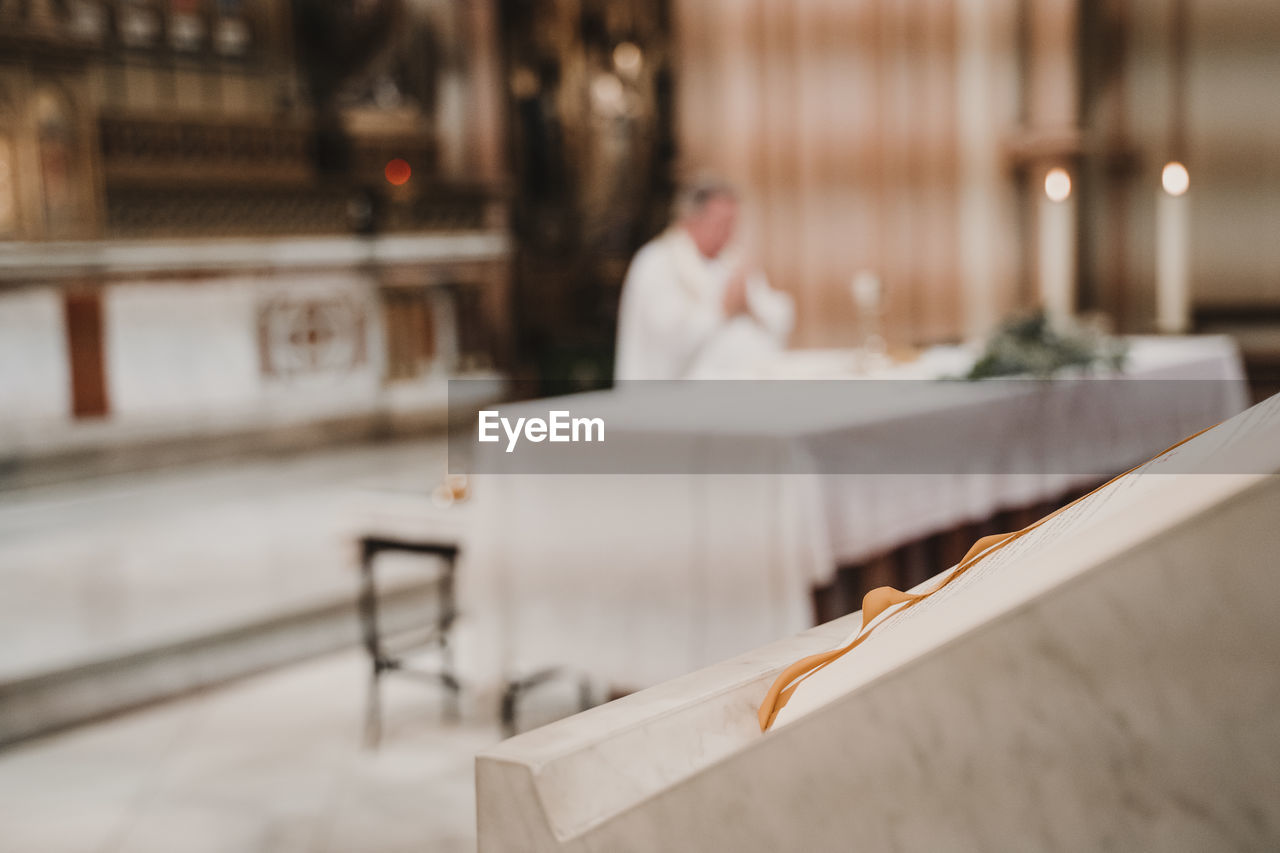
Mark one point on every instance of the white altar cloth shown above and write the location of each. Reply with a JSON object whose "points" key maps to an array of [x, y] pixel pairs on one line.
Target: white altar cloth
{"points": [[631, 580], [870, 514]]}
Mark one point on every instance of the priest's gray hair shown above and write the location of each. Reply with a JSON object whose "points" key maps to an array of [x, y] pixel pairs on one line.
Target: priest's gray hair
{"points": [[700, 192]]}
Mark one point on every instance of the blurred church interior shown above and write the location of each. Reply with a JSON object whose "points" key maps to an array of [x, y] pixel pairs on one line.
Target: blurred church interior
{"points": [[246, 244]]}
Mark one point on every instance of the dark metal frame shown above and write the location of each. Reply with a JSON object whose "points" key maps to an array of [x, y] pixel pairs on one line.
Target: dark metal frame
{"points": [[514, 689], [386, 653]]}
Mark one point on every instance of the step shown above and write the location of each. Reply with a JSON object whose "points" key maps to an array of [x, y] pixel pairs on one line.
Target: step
{"points": [[50, 701]]}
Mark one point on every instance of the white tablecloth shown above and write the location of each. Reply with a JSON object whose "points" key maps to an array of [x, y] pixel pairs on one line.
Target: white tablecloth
{"points": [[634, 579], [870, 514]]}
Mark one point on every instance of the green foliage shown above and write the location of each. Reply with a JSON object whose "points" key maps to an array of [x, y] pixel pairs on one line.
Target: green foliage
{"points": [[1030, 346]]}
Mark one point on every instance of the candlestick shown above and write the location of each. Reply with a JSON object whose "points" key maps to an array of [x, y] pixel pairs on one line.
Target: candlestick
{"points": [[866, 290], [868, 298], [1057, 214], [1173, 279]]}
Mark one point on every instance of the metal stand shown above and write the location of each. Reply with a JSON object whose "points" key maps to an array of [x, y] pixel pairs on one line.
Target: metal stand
{"points": [[513, 690], [386, 653]]}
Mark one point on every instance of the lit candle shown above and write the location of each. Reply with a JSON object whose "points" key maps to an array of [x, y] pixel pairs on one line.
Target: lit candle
{"points": [[1173, 280], [1057, 248]]}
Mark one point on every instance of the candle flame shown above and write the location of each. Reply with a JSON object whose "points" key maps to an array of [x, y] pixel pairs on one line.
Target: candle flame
{"points": [[1174, 178], [1057, 184]]}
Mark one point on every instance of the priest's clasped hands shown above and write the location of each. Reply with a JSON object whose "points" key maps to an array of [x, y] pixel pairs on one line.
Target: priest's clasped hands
{"points": [[735, 301]]}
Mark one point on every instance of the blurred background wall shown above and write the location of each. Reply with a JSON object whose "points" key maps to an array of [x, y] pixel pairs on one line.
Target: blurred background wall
{"points": [[590, 86], [911, 138], [240, 216], [1195, 83], [233, 224], [860, 129]]}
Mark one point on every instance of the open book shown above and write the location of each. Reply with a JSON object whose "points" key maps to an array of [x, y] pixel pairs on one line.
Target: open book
{"points": [[1242, 447]]}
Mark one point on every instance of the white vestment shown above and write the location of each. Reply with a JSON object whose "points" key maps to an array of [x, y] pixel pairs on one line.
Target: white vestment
{"points": [[671, 322]]}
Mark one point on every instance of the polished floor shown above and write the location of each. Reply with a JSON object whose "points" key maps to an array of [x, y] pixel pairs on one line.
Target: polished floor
{"points": [[103, 567], [272, 763]]}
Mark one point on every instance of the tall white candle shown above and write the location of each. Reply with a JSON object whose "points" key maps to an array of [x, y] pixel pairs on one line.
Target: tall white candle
{"points": [[1057, 217], [1173, 274]]}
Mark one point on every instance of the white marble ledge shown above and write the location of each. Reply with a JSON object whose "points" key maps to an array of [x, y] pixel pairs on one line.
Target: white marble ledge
{"points": [[26, 261], [583, 768]]}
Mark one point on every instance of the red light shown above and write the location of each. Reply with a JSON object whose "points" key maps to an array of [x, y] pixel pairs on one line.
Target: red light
{"points": [[397, 172]]}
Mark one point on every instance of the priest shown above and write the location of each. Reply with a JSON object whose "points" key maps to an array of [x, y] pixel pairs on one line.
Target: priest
{"points": [[691, 307]]}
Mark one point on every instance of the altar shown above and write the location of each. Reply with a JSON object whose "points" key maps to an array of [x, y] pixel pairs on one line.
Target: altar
{"points": [[628, 579]]}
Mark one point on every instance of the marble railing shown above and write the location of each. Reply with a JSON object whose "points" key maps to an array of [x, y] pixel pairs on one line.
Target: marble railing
{"points": [[583, 770]]}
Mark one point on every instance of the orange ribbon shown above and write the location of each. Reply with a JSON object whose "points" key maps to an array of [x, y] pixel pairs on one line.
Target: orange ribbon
{"points": [[880, 599]]}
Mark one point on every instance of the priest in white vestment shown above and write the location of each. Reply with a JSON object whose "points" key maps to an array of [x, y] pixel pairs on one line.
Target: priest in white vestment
{"points": [[690, 308]]}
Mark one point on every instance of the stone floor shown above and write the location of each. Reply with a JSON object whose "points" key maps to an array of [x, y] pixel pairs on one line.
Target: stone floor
{"points": [[102, 567], [272, 763]]}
